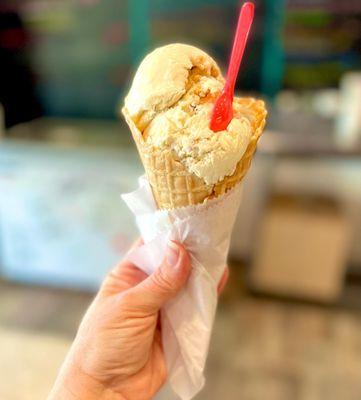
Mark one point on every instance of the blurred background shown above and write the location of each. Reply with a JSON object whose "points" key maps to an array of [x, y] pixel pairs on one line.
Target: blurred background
{"points": [[289, 324]]}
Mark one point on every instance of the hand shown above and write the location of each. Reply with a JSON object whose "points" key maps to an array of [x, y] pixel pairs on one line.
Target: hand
{"points": [[117, 353]]}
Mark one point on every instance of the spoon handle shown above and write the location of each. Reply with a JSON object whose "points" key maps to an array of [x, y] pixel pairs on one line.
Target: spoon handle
{"points": [[243, 27]]}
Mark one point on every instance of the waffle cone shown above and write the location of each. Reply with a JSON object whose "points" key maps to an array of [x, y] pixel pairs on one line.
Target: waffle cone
{"points": [[173, 185]]}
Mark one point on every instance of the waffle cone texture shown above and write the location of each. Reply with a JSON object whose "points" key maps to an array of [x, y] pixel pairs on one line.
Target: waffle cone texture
{"points": [[173, 185]]}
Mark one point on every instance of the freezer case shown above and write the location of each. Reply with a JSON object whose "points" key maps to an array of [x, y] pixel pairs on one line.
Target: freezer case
{"points": [[62, 221]]}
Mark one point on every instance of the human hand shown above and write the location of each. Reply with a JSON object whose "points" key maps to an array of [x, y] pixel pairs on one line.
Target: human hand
{"points": [[117, 353]]}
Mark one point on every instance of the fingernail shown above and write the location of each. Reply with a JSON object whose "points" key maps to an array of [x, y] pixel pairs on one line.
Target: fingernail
{"points": [[172, 253]]}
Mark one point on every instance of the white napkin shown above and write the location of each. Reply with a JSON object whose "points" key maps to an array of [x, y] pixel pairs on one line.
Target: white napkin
{"points": [[187, 320]]}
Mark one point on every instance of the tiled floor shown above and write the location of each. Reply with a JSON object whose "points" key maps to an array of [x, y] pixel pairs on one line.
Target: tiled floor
{"points": [[261, 349]]}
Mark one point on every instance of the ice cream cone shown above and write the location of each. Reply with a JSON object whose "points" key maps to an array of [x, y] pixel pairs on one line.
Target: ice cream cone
{"points": [[173, 185]]}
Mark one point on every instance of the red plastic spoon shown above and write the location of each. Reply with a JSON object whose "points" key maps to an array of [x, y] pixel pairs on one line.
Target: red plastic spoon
{"points": [[223, 110]]}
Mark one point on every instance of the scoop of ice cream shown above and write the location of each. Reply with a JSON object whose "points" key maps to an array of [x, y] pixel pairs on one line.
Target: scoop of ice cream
{"points": [[207, 154], [171, 101], [163, 78]]}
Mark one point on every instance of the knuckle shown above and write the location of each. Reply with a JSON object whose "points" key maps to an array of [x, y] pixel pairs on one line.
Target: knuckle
{"points": [[127, 301], [163, 281], [130, 304]]}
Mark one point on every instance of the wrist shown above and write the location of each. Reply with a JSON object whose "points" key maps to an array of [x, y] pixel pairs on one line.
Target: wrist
{"points": [[73, 384]]}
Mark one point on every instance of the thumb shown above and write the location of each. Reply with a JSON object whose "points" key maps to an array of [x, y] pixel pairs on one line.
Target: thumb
{"points": [[165, 282]]}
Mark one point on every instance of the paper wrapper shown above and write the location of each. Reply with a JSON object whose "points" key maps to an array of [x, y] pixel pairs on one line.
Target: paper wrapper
{"points": [[187, 320]]}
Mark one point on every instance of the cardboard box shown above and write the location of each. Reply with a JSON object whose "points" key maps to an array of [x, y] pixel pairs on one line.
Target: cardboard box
{"points": [[302, 249]]}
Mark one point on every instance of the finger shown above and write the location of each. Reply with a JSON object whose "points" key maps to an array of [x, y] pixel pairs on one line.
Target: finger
{"points": [[168, 280], [125, 263], [124, 275], [223, 281]]}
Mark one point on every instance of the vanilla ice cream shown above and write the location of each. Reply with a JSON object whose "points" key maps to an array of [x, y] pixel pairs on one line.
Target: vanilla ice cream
{"points": [[171, 101]]}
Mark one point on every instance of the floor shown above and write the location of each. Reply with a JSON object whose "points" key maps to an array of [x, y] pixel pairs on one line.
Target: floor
{"points": [[261, 348]]}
